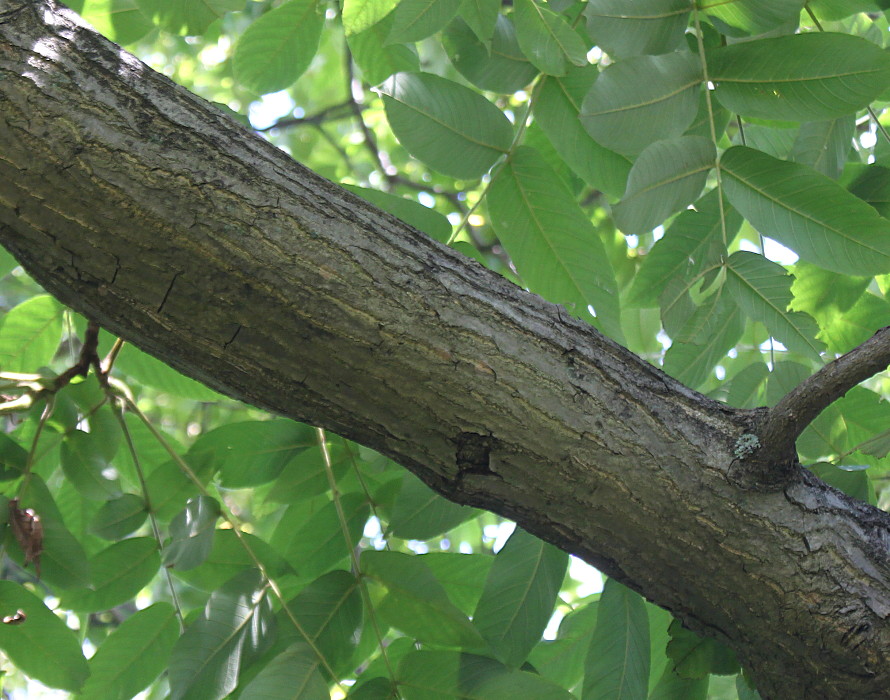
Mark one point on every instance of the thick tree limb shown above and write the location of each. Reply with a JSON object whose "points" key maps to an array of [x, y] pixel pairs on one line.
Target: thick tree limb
{"points": [[146, 209]]}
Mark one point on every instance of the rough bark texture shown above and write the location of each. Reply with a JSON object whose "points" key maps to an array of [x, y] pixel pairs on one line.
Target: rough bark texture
{"points": [[149, 211]]}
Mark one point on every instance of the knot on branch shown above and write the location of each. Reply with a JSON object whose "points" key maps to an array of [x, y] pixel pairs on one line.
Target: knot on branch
{"points": [[473, 452]]}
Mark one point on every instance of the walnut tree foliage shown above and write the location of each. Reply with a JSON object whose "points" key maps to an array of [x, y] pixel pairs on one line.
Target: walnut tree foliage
{"points": [[705, 183]]}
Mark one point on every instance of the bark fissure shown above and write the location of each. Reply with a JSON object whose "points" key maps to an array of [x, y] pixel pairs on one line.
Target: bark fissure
{"points": [[296, 296]]}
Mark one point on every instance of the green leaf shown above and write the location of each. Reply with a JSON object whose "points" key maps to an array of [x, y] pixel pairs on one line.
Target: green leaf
{"points": [[152, 372], [825, 145], [481, 16], [421, 514], [30, 333], [292, 675], [187, 16], [763, 291], [562, 659], [498, 66], [807, 212], [871, 183], [842, 332], [547, 39], [120, 20], [519, 594], [418, 19], [253, 452], [557, 110], [448, 126], [801, 77], [696, 657], [711, 332], [133, 655], [745, 389], [119, 517], [694, 241], [377, 59], [854, 482], [667, 176], [329, 611], [277, 49], [41, 646], [556, 250], [643, 99], [417, 604], [86, 467], [191, 534], [618, 661], [118, 573], [461, 575], [431, 222], [752, 16], [650, 27], [204, 662], [672, 686], [358, 15], [319, 545], [446, 675], [228, 558]]}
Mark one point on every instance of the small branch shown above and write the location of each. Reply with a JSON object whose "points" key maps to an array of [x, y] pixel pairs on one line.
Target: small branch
{"points": [[784, 422]]}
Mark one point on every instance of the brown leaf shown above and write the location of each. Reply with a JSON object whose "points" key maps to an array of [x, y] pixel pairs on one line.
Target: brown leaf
{"points": [[28, 531]]}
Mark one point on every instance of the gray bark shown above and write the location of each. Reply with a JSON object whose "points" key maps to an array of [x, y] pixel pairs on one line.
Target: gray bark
{"points": [[146, 209]]}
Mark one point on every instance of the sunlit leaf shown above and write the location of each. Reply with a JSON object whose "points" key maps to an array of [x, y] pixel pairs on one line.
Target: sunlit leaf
{"points": [[807, 212], [152, 372], [667, 176], [641, 100], [801, 77], [41, 646], [481, 16], [377, 59], [120, 20], [519, 594], [447, 126], [133, 655], [624, 28], [358, 15], [276, 49], [417, 19], [29, 334], [187, 16], [420, 217]]}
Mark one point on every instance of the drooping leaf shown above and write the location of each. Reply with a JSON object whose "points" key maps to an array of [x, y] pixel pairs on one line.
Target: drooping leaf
{"points": [[696, 657], [694, 240], [187, 16], [641, 100], [557, 110], [293, 675], [555, 248], [499, 66], [547, 39], [481, 16], [118, 573], [649, 27], [667, 176], [133, 655], [618, 661], [420, 217], [119, 517], [29, 334], [824, 145], [421, 514], [191, 533], [447, 675], [417, 604], [448, 126], [86, 467], [377, 59], [41, 645], [763, 290], [807, 212], [752, 16], [417, 19], [519, 595], [205, 661], [276, 49], [801, 77]]}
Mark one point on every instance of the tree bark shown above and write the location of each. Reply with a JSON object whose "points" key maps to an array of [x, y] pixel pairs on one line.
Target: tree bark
{"points": [[149, 211]]}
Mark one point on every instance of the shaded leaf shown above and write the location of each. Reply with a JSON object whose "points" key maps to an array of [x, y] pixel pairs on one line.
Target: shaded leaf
{"points": [[119, 517], [417, 19], [30, 332], [431, 222], [752, 16], [191, 534], [86, 467], [825, 145], [807, 212], [421, 514], [547, 39], [448, 126], [292, 675], [697, 657], [624, 28], [319, 545], [377, 59], [667, 176], [481, 16], [853, 482]]}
